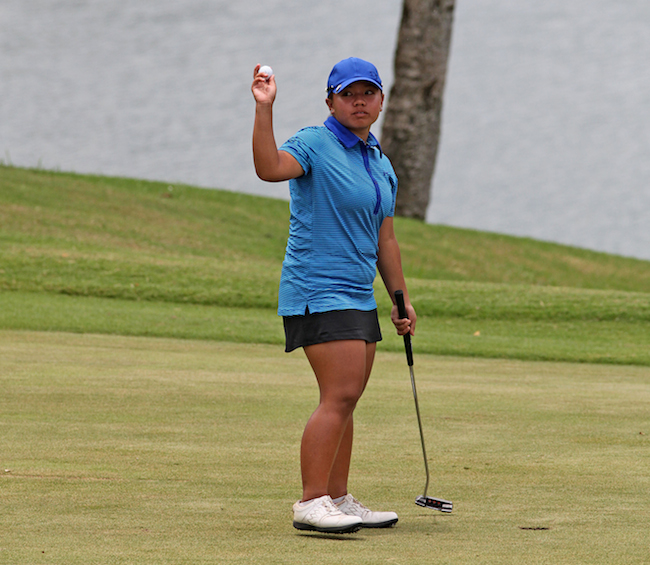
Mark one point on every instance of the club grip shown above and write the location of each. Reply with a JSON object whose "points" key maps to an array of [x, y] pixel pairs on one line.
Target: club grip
{"points": [[401, 310]]}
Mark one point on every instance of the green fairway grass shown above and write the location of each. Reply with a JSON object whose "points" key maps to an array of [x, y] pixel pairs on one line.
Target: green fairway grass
{"points": [[128, 450], [148, 414], [120, 256]]}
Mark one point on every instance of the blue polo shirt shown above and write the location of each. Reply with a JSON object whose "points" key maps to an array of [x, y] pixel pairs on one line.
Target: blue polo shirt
{"points": [[337, 207]]}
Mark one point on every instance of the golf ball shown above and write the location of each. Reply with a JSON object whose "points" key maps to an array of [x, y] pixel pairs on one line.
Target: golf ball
{"points": [[268, 71]]}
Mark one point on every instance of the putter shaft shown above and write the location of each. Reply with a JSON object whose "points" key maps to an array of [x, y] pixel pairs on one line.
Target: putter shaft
{"points": [[423, 500], [417, 411]]}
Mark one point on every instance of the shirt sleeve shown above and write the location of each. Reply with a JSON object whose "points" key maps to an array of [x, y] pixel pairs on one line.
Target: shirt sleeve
{"points": [[302, 147]]}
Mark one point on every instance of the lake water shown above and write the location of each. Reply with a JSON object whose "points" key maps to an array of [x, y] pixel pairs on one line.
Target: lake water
{"points": [[546, 124]]}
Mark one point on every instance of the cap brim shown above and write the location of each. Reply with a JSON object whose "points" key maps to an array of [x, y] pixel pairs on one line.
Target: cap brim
{"points": [[350, 81]]}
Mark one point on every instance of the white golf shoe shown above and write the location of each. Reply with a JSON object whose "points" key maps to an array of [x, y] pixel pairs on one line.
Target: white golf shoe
{"points": [[352, 507], [322, 515]]}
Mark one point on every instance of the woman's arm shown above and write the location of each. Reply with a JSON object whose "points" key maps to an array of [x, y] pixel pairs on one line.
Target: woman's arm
{"points": [[389, 263], [270, 164]]}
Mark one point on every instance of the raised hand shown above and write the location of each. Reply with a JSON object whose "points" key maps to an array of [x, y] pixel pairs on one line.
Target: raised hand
{"points": [[264, 88]]}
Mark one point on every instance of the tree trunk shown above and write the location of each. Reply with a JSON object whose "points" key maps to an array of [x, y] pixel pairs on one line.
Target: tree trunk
{"points": [[411, 127]]}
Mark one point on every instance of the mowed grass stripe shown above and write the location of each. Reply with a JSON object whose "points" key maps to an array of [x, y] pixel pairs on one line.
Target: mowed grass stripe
{"points": [[607, 341]]}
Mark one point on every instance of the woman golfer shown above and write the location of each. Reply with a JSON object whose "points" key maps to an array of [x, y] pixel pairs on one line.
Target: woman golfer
{"points": [[343, 191]]}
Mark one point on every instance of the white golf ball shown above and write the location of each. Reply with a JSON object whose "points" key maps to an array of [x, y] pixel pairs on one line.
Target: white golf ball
{"points": [[268, 71]]}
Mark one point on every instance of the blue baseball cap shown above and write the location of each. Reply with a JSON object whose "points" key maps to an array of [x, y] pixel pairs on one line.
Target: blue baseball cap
{"points": [[351, 70]]}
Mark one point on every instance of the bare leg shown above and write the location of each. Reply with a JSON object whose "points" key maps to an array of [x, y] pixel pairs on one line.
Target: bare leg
{"points": [[338, 484], [341, 371]]}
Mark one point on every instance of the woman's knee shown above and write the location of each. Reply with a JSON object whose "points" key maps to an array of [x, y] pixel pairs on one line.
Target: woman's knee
{"points": [[343, 400], [345, 395]]}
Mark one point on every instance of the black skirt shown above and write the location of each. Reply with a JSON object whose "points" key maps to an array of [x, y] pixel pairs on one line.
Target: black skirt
{"points": [[311, 329]]}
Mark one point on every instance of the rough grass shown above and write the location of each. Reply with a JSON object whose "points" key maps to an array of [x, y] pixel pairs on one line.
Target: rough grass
{"points": [[194, 263], [127, 238]]}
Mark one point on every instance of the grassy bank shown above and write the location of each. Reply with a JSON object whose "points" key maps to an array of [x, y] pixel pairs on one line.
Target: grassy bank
{"points": [[156, 247]]}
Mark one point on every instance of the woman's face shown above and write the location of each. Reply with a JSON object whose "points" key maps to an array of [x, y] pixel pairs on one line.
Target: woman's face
{"points": [[357, 107]]}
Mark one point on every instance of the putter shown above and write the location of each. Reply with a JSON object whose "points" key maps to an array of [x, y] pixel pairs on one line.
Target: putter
{"points": [[423, 500]]}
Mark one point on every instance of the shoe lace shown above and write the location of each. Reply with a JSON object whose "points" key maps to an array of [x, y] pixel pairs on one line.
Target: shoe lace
{"points": [[353, 506], [326, 507]]}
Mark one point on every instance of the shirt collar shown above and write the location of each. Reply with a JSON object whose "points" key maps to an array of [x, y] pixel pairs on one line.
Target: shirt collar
{"points": [[346, 137]]}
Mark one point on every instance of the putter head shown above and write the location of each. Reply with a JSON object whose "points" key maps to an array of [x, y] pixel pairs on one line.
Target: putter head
{"points": [[435, 503]]}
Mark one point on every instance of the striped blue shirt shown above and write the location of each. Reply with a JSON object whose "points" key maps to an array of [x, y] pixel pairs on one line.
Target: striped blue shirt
{"points": [[337, 207]]}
